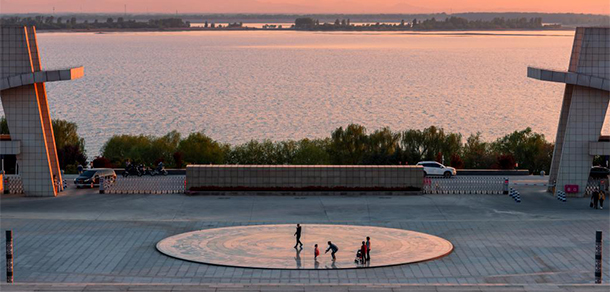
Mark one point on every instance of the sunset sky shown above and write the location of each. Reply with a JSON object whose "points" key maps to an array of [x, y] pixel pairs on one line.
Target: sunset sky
{"points": [[305, 6]]}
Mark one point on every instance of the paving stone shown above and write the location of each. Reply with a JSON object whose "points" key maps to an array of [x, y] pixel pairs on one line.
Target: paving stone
{"points": [[93, 238]]}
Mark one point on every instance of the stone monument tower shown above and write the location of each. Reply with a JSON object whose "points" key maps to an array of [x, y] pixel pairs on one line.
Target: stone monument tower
{"points": [[585, 103], [25, 104]]}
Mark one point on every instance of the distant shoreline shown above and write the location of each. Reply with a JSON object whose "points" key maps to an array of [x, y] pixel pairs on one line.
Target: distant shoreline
{"points": [[115, 30]]}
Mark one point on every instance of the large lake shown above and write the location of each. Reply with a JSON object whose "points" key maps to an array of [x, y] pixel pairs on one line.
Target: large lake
{"points": [[244, 85]]}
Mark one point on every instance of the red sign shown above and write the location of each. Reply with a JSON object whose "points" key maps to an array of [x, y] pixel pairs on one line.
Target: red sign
{"points": [[571, 188]]}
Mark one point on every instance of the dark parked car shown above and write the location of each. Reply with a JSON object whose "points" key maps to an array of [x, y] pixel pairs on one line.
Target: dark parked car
{"points": [[91, 177], [599, 172]]}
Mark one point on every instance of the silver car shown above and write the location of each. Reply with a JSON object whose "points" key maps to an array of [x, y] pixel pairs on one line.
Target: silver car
{"points": [[435, 168]]}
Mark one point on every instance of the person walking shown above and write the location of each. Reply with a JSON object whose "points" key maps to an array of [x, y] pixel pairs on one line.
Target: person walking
{"points": [[332, 248], [368, 248], [595, 198], [316, 252], [602, 197], [363, 253], [298, 235], [80, 168]]}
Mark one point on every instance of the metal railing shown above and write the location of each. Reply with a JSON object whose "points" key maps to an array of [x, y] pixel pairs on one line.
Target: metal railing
{"points": [[464, 185], [172, 184], [596, 183], [13, 184]]}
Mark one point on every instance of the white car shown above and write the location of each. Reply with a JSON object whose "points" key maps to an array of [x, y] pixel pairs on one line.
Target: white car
{"points": [[435, 168]]}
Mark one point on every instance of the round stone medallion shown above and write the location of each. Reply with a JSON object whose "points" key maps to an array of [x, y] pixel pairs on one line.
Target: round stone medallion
{"points": [[272, 246]]}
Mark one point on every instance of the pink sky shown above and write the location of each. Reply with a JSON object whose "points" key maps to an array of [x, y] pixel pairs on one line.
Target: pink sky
{"points": [[305, 6]]}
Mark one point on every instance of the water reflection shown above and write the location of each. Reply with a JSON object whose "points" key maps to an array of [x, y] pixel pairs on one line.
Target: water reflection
{"points": [[285, 92]]}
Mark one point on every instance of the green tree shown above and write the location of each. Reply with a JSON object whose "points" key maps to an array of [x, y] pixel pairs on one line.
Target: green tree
{"points": [[412, 145], [430, 144], [476, 153], [120, 148], [452, 147], [143, 149], [285, 152], [348, 146], [312, 152], [433, 138], [4, 126], [70, 146], [530, 150], [163, 148], [255, 152], [201, 149], [383, 147], [66, 133]]}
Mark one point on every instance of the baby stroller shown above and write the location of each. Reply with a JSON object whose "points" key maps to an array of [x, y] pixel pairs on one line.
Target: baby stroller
{"points": [[359, 259]]}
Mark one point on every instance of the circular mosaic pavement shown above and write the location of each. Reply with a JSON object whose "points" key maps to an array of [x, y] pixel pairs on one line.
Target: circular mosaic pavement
{"points": [[272, 246]]}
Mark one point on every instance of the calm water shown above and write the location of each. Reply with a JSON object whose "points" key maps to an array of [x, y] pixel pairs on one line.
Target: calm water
{"points": [[289, 85]]}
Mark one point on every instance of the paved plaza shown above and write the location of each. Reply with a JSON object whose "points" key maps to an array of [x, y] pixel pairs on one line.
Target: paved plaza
{"points": [[305, 287], [86, 237], [271, 246]]}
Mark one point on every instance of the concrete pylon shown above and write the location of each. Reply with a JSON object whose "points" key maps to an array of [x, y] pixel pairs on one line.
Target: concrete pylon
{"points": [[25, 104], [584, 107]]}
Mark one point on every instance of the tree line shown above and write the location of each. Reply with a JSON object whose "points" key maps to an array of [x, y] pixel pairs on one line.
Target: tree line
{"points": [[50, 23], [353, 144], [449, 23]]}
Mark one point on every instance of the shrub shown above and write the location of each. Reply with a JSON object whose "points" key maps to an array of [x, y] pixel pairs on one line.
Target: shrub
{"points": [[178, 163], [506, 161], [102, 162], [70, 155], [456, 161]]}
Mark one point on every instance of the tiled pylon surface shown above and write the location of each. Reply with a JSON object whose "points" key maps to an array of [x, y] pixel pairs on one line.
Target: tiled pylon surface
{"points": [[27, 113], [583, 110]]}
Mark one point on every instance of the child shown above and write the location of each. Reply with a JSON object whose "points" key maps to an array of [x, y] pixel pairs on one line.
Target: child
{"points": [[316, 252]]}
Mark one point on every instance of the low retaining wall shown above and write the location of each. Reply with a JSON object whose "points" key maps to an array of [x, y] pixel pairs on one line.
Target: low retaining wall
{"points": [[492, 172], [303, 178], [182, 171]]}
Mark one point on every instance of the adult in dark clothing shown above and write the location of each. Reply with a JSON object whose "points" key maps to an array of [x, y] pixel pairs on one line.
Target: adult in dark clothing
{"points": [[363, 252], [368, 248], [298, 235], [595, 197], [333, 248]]}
